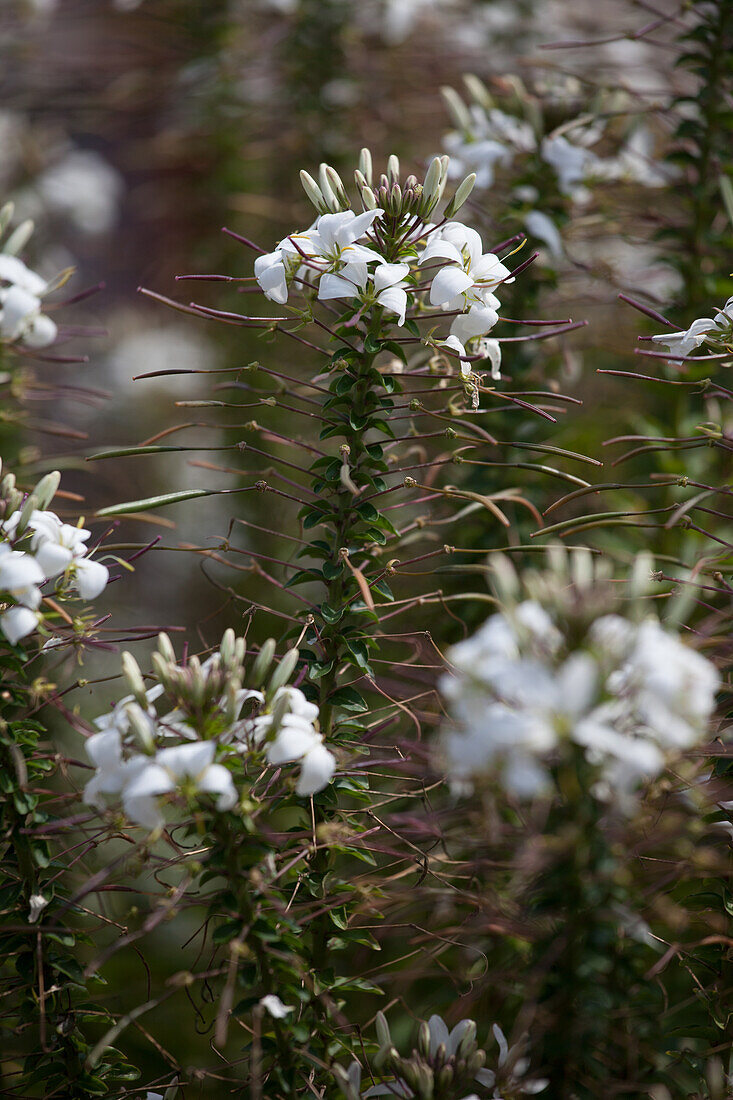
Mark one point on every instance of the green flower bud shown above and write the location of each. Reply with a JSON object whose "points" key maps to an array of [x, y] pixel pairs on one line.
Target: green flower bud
{"points": [[19, 238], [423, 1039], [6, 216], [313, 192], [365, 165], [226, 649], [393, 169], [456, 108], [284, 671], [133, 676], [463, 190], [46, 488], [263, 662], [165, 648], [28, 508]]}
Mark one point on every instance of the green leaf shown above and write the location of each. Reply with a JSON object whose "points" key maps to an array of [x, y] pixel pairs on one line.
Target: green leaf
{"points": [[330, 614], [348, 699]]}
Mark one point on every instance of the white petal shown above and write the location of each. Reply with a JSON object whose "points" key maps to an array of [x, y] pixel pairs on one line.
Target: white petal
{"points": [[479, 320], [275, 1006], [438, 1033], [19, 309], [387, 275], [316, 771], [334, 286], [14, 271], [18, 622], [218, 780], [291, 743], [440, 249], [151, 780], [53, 558], [449, 282], [42, 332], [90, 578], [187, 760], [104, 749], [143, 810], [395, 300]]}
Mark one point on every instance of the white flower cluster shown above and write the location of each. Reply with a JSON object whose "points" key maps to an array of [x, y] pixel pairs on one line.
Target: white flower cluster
{"points": [[36, 547], [487, 136], [144, 758], [349, 256], [629, 696], [21, 292], [715, 331], [440, 1048]]}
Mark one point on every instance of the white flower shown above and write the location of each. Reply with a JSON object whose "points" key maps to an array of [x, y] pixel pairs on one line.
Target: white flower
{"points": [[15, 272], [89, 577], [572, 163], [37, 904], [471, 275], [20, 575], [194, 764], [332, 241], [21, 318], [54, 543], [681, 344], [84, 187], [455, 344], [272, 1004], [353, 281], [18, 622], [271, 274], [491, 350], [316, 770], [539, 225]]}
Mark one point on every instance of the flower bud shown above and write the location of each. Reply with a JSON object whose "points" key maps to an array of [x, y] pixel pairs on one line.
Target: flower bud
{"points": [[161, 668], [476, 1062], [19, 238], [324, 184], [478, 91], [423, 1039], [31, 504], [165, 648], [46, 488], [133, 676], [284, 670], [226, 649], [365, 165], [196, 681], [456, 108], [141, 726], [383, 1033], [444, 1077], [468, 1040], [313, 192], [338, 188], [6, 216], [463, 190], [263, 662], [393, 169]]}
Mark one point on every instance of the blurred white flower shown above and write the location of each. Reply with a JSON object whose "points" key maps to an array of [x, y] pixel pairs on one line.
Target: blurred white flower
{"points": [[272, 1004], [83, 187]]}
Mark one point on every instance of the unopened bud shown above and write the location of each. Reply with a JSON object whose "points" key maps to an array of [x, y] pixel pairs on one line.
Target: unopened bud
{"points": [[383, 1032], [19, 238], [393, 169], [46, 488], [196, 680], [456, 108], [263, 662], [133, 676], [284, 670], [365, 165], [431, 185], [161, 668], [463, 190], [227, 648], [313, 192], [326, 190], [30, 506], [6, 216], [141, 726], [423, 1039], [478, 90], [165, 648], [338, 188]]}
